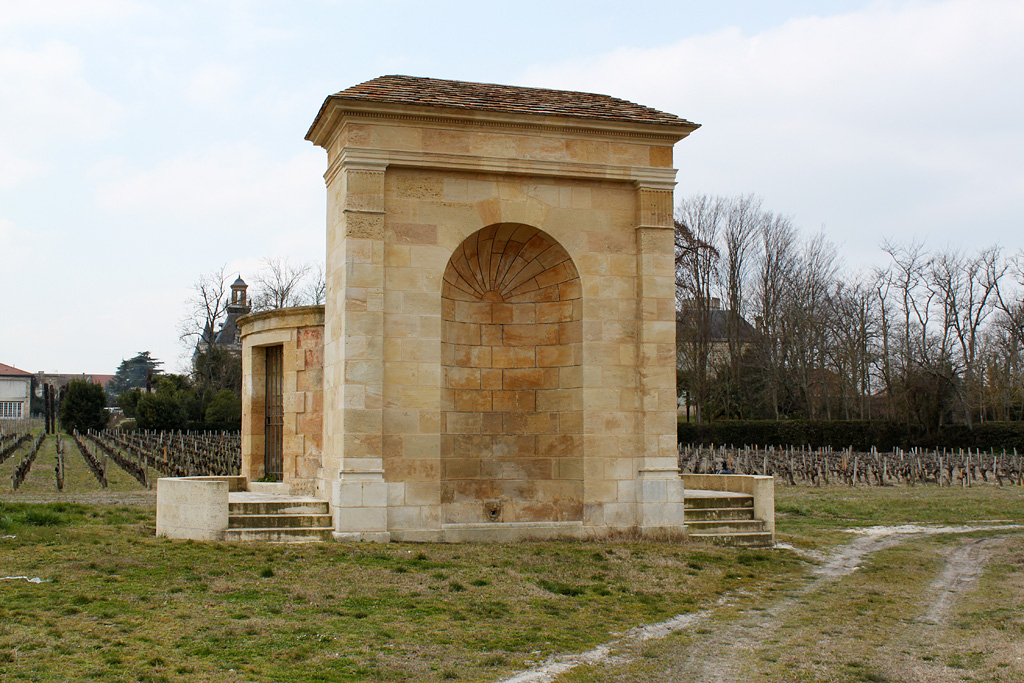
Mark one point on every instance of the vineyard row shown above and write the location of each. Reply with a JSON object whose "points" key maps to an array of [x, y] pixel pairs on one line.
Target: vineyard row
{"points": [[817, 467], [21, 470], [177, 454], [169, 454]]}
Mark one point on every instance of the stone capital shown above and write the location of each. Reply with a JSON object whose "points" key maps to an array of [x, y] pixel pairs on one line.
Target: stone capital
{"points": [[654, 208], [364, 190]]}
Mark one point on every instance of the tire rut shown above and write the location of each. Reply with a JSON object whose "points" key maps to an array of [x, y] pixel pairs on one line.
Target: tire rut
{"points": [[963, 568], [724, 656]]}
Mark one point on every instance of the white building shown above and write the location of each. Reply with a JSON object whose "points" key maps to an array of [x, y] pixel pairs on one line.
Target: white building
{"points": [[15, 390]]}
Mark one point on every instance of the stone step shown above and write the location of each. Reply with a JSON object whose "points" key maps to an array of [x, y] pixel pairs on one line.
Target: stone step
{"points": [[278, 521], [756, 539], [291, 507], [735, 501], [710, 514], [725, 526], [280, 535]]}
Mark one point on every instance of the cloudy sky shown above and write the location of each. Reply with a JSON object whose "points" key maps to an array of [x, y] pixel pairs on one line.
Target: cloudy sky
{"points": [[143, 143]]}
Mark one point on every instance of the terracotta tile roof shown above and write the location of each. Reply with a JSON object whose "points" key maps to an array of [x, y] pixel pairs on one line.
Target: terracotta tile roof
{"points": [[11, 371], [434, 92]]}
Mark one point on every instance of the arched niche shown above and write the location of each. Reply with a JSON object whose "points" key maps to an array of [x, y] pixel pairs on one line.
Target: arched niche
{"points": [[511, 351]]}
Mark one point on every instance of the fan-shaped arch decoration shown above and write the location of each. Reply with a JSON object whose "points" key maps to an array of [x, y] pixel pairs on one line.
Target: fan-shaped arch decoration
{"points": [[511, 263]]}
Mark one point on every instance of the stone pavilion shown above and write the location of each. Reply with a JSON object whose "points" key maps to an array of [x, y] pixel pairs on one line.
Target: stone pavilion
{"points": [[496, 357]]}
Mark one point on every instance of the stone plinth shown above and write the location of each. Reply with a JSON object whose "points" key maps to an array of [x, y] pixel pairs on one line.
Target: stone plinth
{"points": [[194, 507]]}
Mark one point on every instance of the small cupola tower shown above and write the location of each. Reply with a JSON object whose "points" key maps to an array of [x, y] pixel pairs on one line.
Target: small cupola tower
{"points": [[238, 298], [228, 335]]}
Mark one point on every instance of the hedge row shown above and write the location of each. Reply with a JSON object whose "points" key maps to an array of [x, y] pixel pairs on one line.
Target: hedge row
{"points": [[859, 434]]}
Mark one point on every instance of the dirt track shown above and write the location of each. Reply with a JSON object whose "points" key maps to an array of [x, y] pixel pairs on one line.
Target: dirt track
{"points": [[725, 652], [725, 655], [963, 567], [139, 498]]}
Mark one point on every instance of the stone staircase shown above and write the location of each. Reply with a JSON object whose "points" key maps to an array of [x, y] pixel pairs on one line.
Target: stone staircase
{"points": [[277, 519], [724, 518]]}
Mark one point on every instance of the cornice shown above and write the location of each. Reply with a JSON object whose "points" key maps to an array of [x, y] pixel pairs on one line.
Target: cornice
{"points": [[367, 163], [281, 314], [371, 159]]}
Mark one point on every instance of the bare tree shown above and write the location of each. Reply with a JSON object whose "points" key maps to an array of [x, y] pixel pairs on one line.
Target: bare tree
{"points": [[775, 266], [1002, 362], [852, 331], [1009, 302], [941, 333], [315, 291], [278, 284], [917, 354], [206, 307], [744, 221], [813, 282], [965, 288], [1006, 353], [881, 288], [698, 221]]}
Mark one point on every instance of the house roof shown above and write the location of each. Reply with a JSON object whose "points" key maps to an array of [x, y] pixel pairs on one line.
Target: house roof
{"points": [[718, 325], [511, 99], [228, 333], [11, 371], [61, 378]]}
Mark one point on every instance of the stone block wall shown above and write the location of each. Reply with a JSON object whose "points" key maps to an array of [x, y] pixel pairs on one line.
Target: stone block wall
{"points": [[299, 331]]}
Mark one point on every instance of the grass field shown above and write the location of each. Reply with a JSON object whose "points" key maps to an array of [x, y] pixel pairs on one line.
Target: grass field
{"points": [[119, 604], [817, 517]]}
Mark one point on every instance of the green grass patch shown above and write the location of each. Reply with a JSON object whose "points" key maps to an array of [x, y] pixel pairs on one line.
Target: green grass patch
{"points": [[16, 516], [142, 608]]}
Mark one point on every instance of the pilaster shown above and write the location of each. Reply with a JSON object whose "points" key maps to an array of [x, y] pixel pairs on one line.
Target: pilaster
{"points": [[354, 353], [660, 496]]}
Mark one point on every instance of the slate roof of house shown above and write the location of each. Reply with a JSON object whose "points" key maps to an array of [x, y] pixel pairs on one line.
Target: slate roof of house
{"points": [[227, 335], [435, 92], [11, 371], [718, 325]]}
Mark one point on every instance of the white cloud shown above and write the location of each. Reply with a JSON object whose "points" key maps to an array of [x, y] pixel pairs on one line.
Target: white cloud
{"points": [[47, 102], [225, 193], [15, 170], [45, 90], [15, 244], [901, 119], [215, 86], [48, 12], [223, 181]]}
